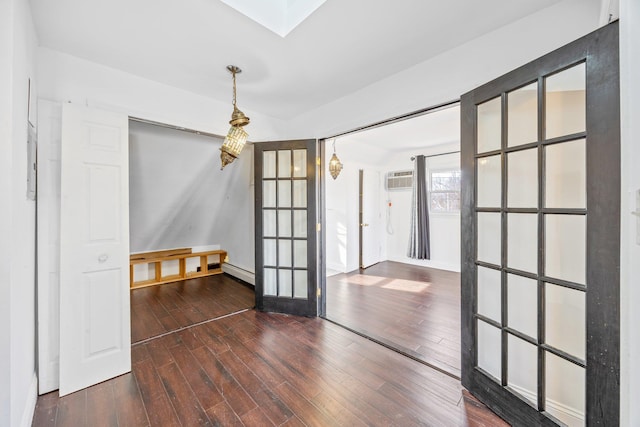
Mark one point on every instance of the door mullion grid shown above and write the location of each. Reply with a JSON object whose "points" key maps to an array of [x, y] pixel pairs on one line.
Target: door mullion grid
{"points": [[291, 218], [541, 244], [277, 181], [505, 240]]}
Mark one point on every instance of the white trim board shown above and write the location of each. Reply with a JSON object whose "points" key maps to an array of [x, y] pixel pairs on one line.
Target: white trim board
{"points": [[239, 273]]}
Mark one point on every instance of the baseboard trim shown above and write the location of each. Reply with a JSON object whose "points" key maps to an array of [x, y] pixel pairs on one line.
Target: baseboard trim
{"points": [[555, 408], [240, 273], [30, 406]]}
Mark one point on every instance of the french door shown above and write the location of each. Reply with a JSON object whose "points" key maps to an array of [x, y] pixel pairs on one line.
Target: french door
{"points": [[285, 216], [541, 237]]}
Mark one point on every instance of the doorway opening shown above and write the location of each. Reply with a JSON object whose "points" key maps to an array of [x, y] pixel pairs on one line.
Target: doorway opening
{"points": [[179, 198], [372, 286]]}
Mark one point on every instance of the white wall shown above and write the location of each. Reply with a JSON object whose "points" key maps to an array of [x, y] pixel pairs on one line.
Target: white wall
{"points": [[18, 382], [179, 197], [62, 78], [444, 228], [342, 202], [342, 206], [630, 247], [6, 166]]}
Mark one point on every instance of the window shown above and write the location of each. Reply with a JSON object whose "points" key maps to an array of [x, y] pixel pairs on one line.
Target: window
{"points": [[444, 193]]}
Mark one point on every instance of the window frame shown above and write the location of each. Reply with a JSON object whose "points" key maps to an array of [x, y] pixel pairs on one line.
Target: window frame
{"points": [[431, 191]]}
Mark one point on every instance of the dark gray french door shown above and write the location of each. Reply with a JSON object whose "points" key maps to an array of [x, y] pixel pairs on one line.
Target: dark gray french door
{"points": [[285, 217], [541, 237]]}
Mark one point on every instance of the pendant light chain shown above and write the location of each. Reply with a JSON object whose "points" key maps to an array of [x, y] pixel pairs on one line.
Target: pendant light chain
{"points": [[234, 88]]}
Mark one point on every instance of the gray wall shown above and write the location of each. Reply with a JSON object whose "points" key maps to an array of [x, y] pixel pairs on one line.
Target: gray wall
{"points": [[179, 197]]}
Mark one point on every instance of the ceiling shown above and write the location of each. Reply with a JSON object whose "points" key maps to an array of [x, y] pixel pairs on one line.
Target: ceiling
{"points": [[340, 48], [437, 131]]}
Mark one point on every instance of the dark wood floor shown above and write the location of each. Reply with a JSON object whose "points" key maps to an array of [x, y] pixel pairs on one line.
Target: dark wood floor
{"points": [[258, 369], [412, 308], [156, 310]]}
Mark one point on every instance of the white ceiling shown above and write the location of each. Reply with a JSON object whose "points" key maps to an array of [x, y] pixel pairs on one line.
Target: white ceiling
{"points": [[437, 131], [342, 47]]}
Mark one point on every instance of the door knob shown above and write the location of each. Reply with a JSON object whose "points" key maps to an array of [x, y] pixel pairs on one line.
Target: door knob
{"points": [[364, 225], [102, 258]]}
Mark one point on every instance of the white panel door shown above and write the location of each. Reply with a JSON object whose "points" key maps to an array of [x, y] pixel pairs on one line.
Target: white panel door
{"points": [[371, 218], [95, 336]]}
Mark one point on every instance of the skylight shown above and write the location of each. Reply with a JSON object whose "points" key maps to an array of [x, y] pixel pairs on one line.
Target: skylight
{"points": [[279, 16]]}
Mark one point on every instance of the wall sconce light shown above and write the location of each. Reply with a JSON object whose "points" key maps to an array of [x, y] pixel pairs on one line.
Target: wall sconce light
{"points": [[236, 137], [334, 164]]}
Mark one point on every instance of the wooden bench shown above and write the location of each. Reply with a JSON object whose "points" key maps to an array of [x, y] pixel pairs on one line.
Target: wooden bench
{"points": [[181, 255]]}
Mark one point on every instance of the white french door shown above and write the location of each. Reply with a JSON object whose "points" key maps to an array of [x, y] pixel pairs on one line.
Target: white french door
{"points": [[95, 337]]}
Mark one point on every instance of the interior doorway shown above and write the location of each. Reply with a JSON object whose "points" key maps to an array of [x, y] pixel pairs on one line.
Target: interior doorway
{"points": [[372, 286], [179, 199]]}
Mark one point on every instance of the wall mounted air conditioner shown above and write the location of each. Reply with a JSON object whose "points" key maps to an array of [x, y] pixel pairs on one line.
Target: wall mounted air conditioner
{"points": [[399, 180]]}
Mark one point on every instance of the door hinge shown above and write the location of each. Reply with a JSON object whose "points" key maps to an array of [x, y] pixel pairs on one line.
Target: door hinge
{"points": [[319, 293], [318, 161], [319, 226]]}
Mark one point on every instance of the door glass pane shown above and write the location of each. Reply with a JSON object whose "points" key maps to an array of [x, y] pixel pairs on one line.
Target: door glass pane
{"points": [[489, 125], [270, 281], [490, 349], [300, 284], [284, 194], [489, 182], [300, 194], [522, 304], [522, 179], [284, 223], [523, 368], [269, 164], [299, 223], [284, 163], [522, 242], [522, 115], [565, 319], [300, 253], [284, 253], [299, 163], [565, 390], [269, 223], [565, 247], [270, 252], [565, 102], [566, 175], [269, 194], [489, 237], [489, 293], [286, 288]]}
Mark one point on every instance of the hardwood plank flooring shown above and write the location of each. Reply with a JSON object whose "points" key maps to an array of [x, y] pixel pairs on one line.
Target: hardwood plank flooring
{"points": [[261, 369], [156, 310], [411, 308]]}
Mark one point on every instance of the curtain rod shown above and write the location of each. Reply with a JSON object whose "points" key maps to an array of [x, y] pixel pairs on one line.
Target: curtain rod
{"points": [[436, 155]]}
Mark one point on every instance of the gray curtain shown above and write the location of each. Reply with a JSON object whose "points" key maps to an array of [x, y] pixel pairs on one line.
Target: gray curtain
{"points": [[419, 232]]}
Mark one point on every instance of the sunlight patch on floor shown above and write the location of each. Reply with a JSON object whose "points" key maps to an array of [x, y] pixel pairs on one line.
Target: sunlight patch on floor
{"points": [[386, 283], [407, 285], [362, 280]]}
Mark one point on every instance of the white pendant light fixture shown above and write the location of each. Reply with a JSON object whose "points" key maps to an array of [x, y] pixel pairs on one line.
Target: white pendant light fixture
{"points": [[236, 137]]}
